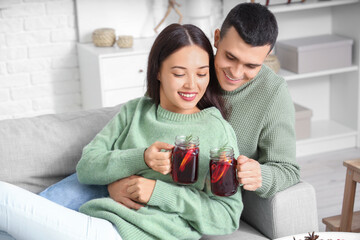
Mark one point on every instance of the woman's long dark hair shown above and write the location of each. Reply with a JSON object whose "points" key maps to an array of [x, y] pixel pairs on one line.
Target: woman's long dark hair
{"points": [[171, 39]]}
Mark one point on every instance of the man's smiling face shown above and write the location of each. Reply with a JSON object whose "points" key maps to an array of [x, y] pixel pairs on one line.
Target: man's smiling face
{"points": [[237, 62]]}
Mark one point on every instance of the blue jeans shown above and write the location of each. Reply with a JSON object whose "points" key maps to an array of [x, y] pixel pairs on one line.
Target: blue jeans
{"points": [[70, 193]]}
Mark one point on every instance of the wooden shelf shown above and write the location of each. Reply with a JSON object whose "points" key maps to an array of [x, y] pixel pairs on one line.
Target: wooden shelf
{"points": [[309, 4], [290, 76], [326, 135]]}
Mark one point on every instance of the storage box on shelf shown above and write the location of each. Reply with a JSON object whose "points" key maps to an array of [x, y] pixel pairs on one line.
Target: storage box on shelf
{"points": [[315, 53], [333, 94], [112, 75]]}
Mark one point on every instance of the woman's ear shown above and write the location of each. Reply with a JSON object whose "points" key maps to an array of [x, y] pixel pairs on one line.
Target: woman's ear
{"points": [[216, 37], [158, 76]]}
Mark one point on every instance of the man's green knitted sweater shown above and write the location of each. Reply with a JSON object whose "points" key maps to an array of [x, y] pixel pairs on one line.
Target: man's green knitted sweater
{"points": [[173, 211], [262, 115]]}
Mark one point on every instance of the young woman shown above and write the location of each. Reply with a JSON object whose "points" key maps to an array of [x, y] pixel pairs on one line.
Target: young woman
{"points": [[182, 100]]}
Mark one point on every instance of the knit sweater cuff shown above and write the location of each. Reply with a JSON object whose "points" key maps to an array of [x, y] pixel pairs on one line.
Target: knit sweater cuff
{"points": [[134, 160], [267, 181], [164, 194]]}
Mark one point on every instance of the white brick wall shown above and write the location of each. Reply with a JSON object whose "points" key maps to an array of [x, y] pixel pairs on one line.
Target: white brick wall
{"points": [[38, 59], [4, 95]]}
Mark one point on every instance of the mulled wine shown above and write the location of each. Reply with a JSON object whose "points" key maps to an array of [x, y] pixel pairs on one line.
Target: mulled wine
{"points": [[185, 159], [223, 172]]}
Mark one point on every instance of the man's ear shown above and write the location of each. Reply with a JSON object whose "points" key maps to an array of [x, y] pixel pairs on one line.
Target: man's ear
{"points": [[216, 37]]}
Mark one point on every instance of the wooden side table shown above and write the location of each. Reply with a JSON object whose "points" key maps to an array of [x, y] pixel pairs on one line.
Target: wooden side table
{"points": [[348, 221]]}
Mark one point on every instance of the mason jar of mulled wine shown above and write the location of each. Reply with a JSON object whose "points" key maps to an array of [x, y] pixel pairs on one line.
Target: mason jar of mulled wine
{"points": [[223, 171], [185, 159]]}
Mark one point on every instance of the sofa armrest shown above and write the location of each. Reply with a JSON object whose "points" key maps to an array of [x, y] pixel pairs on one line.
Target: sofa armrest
{"points": [[288, 212]]}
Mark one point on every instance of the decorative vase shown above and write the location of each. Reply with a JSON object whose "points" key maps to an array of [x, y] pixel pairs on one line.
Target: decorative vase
{"points": [[125, 41], [272, 62], [104, 37]]}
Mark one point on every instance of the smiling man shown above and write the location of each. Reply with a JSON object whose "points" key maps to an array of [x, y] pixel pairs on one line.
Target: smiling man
{"points": [[261, 110], [237, 62]]}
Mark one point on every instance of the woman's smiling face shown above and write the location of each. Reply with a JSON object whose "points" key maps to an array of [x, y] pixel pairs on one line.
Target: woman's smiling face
{"points": [[184, 77]]}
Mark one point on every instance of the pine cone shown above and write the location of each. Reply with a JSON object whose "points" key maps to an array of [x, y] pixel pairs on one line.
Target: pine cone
{"points": [[312, 236]]}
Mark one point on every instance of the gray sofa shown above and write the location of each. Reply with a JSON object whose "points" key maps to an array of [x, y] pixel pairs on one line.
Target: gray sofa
{"points": [[39, 151]]}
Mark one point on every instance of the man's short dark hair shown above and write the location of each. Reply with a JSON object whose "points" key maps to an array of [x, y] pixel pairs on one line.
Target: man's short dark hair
{"points": [[255, 24]]}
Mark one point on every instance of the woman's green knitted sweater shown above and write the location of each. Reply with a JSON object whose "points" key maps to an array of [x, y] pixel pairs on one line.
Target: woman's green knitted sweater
{"points": [[262, 115], [173, 211]]}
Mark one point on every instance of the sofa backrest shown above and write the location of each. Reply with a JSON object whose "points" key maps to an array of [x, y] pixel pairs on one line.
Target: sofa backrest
{"points": [[39, 151]]}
